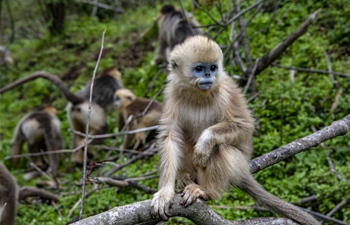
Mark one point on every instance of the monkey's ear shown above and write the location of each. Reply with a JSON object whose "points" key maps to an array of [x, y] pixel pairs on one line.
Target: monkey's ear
{"points": [[174, 64]]}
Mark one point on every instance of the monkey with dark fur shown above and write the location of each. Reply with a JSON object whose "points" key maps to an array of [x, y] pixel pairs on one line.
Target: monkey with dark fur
{"points": [[41, 130], [173, 28], [205, 134], [128, 104], [77, 108], [10, 193]]}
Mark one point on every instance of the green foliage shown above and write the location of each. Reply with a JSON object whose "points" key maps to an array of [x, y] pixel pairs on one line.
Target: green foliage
{"points": [[285, 109]]}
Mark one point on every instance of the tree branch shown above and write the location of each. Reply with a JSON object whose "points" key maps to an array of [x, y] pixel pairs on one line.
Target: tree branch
{"points": [[198, 212], [337, 128], [274, 53]]}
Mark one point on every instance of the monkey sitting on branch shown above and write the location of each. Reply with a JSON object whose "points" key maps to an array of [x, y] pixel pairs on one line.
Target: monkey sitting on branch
{"points": [[10, 193], [205, 134], [41, 130], [173, 28], [144, 112], [104, 88]]}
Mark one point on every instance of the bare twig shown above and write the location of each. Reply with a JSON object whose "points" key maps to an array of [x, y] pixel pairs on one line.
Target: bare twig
{"points": [[310, 70], [329, 66], [118, 134], [86, 140], [206, 12], [338, 207], [102, 5], [251, 76], [243, 35], [152, 149], [47, 153]]}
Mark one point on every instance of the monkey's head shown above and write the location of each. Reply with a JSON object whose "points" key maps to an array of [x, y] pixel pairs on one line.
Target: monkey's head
{"points": [[196, 62], [47, 108], [167, 9], [113, 72], [123, 98]]}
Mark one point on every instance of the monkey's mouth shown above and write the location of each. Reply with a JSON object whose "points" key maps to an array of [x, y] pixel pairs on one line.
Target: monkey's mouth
{"points": [[205, 85]]}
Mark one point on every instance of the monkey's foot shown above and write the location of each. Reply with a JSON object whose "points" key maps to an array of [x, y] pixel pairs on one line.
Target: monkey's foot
{"points": [[191, 193], [161, 203]]}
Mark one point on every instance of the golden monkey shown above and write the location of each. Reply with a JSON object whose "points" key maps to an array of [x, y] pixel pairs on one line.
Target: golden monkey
{"points": [[9, 193], [103, 96], [77, 108], [41, 130], [173, 28], [8, 197], [128, 104], [205, 134]]}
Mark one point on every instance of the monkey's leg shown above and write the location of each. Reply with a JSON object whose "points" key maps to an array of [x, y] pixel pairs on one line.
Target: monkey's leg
{"points": [[78, 156], [37, 160], [225, 165], [16, 148]]}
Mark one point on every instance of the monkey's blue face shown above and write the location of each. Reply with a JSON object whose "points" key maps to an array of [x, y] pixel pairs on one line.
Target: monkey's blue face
{"points": [[205, 74]]}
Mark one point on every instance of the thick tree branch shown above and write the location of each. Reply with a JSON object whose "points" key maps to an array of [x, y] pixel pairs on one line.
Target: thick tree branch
{"points": [[274, 53], [337, 128], [198, 212]]}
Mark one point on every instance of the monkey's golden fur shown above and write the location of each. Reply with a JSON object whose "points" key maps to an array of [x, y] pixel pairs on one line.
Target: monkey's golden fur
{"points": [[131, 105], [41, 130], [205, 137]]}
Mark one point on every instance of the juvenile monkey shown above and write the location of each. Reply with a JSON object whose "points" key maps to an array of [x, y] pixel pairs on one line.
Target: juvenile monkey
{"points": [[10, 193], [205, 134], [103, 96], [77, 109], [41, 130], [173, 28], [128, 104]]}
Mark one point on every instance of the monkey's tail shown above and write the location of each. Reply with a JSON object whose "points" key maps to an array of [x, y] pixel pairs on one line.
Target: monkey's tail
{"points": [[54, 79], [258, 193]]}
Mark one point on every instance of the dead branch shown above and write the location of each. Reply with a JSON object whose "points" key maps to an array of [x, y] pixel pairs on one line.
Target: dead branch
{"points": [[25, 192], [337, 128], [274, 53], [310, 70], [152, 149], [102, 5], [198, 212]]}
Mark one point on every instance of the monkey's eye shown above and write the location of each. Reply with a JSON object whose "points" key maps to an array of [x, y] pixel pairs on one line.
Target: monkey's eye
{"points": [[213, 68], [198, 69]]}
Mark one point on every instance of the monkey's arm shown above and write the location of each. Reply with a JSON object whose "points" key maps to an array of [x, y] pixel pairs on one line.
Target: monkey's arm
{"points": [[169, 145], [230, 133]]}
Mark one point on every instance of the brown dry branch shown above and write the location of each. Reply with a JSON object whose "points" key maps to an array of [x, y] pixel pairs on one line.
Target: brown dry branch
{"points": [[26, 192], [274, 53]]}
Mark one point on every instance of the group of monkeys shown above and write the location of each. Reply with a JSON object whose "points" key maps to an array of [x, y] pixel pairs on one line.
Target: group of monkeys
{"points": [[205, 128]]}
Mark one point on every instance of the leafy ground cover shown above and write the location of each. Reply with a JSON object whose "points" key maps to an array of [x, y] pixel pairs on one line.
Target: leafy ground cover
{"points": [[286, 107]]}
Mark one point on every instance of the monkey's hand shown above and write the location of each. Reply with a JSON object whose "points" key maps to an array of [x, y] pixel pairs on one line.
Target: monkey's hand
{"points": [[161, 203], [191, 193], [203, 149]]}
